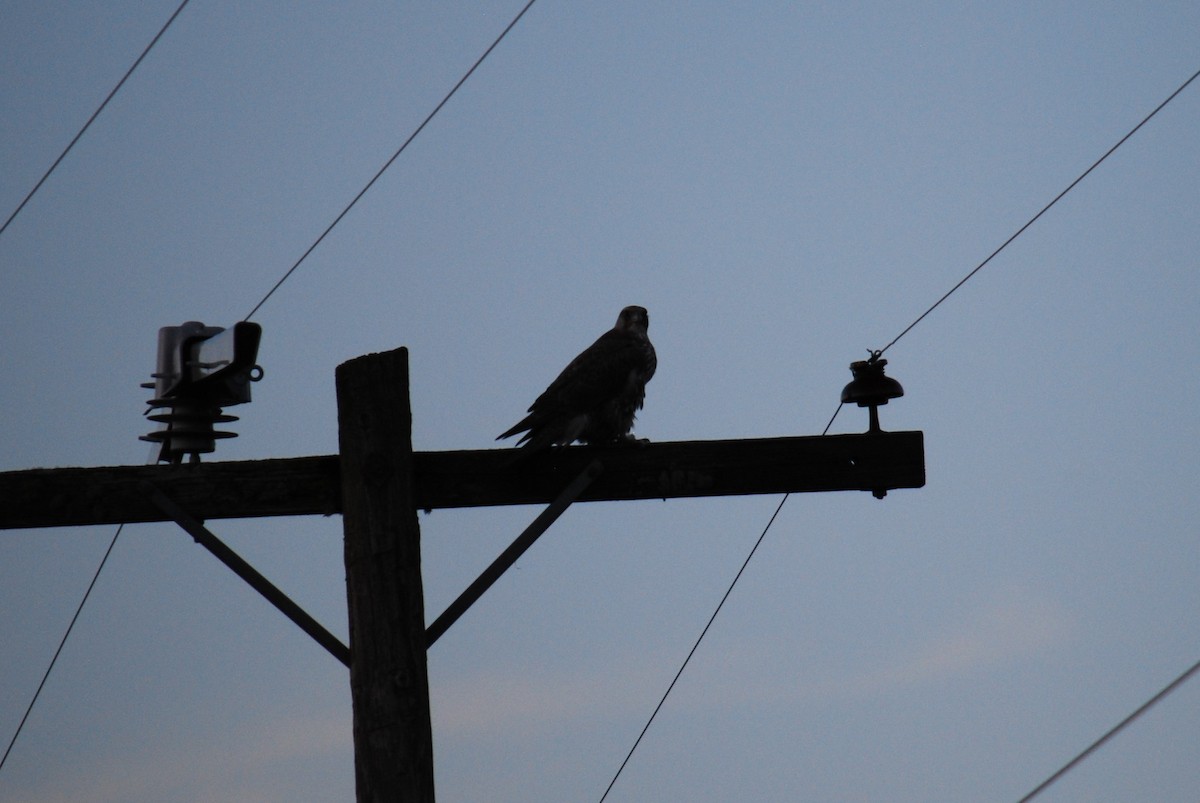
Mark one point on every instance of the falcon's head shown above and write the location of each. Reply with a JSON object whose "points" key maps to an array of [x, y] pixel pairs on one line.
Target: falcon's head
{"points": [[633, 319]]}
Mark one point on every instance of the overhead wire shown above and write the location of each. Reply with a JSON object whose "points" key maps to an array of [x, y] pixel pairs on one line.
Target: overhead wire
{"points": [[1146, 706], [875, 355], [95, 114], [1041, 212], [62, 643], [703, 632], [389, 162], [692, 651], [8, 221]]}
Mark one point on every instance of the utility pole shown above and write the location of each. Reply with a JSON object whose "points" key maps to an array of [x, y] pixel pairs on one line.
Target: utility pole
{"points": [[389, 683], [378, 484]]}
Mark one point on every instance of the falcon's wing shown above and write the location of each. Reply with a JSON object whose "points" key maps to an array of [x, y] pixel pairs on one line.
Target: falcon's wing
{"points": [[597, 374]]}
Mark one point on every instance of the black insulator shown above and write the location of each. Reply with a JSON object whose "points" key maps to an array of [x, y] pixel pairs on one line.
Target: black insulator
{"points": [[870, 388]]}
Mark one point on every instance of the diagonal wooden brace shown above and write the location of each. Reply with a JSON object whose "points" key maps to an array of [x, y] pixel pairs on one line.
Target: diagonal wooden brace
{"points": [[247, 572], [514, 551]]}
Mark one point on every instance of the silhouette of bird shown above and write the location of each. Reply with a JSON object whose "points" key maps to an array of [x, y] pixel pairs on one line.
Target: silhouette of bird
{"points": [[597, 396]]}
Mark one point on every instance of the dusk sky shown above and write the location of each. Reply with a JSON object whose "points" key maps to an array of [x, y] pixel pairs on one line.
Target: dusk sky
{"points": [[784, 186]]}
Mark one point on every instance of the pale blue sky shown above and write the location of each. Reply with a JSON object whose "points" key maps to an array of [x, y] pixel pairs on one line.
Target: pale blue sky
{"points": [[783, 186]]}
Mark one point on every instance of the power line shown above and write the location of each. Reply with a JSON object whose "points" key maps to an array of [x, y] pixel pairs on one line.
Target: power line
{"points": [[96, 576], [1043, 211], [70, 626], [692, 651], [1195, 667], [95, 114], [388, 163], [1170, 687], [62, 643], [704, 632]]}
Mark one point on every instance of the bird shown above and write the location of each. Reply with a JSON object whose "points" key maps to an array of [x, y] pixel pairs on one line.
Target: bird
{"points": [[598, 394]]}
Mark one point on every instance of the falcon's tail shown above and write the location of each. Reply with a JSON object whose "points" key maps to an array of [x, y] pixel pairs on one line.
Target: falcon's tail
{"points": [[542, 431], [527, 425]]}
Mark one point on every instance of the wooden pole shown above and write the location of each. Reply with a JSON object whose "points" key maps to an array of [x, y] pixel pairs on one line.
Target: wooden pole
{"points": [[389, 684]]}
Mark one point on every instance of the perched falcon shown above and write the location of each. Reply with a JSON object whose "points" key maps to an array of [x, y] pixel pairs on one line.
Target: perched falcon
{"points": [[595, 398]]}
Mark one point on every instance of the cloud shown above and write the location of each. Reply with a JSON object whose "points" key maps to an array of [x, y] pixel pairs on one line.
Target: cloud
{"points": [[244, 764], [1008, 625], [996, 630], [519, 697]]}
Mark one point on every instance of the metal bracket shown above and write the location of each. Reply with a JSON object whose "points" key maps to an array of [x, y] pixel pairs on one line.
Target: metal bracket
{"points": [[247, 572], [510, 556]]}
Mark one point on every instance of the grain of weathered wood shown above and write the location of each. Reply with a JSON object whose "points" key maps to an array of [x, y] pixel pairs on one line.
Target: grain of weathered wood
{"points": [[67, 497], [389, 685]]}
